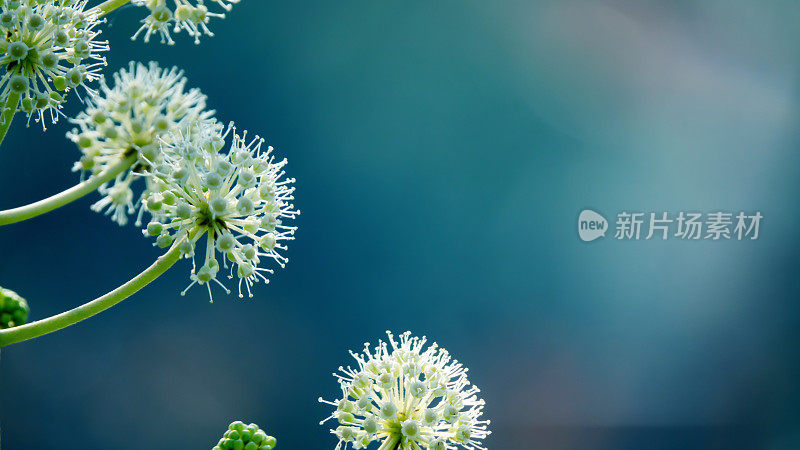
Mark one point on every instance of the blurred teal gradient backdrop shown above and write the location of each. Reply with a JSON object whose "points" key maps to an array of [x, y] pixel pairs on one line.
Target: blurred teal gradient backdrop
{"points": [[443, 151]]}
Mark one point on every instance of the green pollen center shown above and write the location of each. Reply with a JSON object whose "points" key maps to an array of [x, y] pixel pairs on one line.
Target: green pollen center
{"points": [[207, 220]]}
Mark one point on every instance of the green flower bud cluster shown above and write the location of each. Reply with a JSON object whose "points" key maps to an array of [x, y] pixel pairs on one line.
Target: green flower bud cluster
{"points": [[245, 437], [13, 309]]}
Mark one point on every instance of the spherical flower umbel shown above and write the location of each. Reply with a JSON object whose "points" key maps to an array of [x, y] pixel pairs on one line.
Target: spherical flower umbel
{"points": [[407, 396], [237, 197], [49, 48], [131, 117], [245, 437], [191, 16]]}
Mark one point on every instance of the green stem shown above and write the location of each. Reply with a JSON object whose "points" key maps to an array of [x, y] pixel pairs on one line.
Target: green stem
{"points": [[41, 327], [9, 109], [108, 6], [62, 198], [392, 442]]}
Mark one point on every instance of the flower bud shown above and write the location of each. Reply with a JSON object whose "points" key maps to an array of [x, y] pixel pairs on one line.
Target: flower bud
{"points": [[13, 309], [245, 437], [17, 50]]}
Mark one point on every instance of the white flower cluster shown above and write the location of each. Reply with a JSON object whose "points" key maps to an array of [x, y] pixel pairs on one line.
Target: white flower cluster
{"points": [[408, 397], [238, 198], [133, 117], [191, 16], [49, 47]]}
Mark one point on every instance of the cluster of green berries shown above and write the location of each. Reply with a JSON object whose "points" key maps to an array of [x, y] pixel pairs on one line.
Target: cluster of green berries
{"points": [[13, 309], [245, 437]]}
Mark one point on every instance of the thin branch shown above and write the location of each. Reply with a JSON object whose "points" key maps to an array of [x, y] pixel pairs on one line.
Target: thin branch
{"points": [[62, 198]]}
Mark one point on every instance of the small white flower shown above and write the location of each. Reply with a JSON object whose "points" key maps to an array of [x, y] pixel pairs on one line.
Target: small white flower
{"points": [[49, 48], [407, 397], [238, 198], [132, 116], [191, 16]]}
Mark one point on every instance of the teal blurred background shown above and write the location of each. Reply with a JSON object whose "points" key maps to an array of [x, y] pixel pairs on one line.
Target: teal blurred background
{"points": [[443, 151]]}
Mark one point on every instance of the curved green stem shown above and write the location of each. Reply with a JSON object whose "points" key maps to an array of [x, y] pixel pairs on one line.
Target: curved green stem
{"points": [[9, 109], [109, 5], [62, 198], [73, 316]]}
